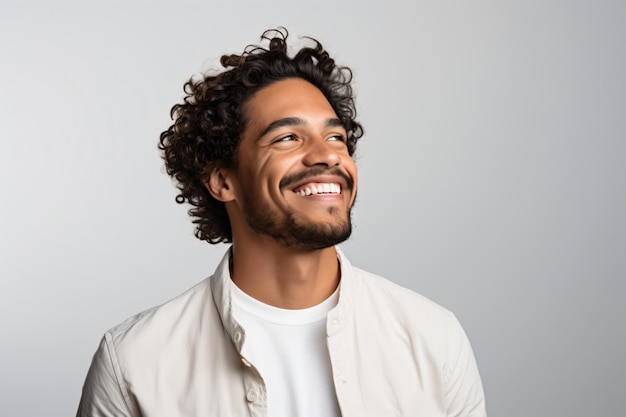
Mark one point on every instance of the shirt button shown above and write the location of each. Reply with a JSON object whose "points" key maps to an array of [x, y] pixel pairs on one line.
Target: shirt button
{"points": [[237, 337], [251, 396]]}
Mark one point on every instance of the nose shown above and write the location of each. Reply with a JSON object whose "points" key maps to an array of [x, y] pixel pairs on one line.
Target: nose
{"points": [[320, 151]]}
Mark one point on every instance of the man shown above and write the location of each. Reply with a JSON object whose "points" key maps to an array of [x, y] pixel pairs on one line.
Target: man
{"points": [[285, 326]]}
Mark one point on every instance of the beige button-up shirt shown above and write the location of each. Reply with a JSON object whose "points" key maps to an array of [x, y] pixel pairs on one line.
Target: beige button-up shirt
{"points": [[393, 353]]}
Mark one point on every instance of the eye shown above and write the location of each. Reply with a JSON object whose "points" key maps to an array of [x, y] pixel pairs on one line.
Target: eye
{"points": [[339, 138], [286, 138]]}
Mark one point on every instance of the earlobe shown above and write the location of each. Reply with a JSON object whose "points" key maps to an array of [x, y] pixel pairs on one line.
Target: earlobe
{"points": [[217, 181]]}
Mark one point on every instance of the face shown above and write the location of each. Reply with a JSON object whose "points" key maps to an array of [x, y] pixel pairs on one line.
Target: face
{"points": [[295, 180]]}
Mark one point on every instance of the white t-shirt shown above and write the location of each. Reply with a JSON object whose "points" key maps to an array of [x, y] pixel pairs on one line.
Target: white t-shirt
{"points": [[288, 348]]}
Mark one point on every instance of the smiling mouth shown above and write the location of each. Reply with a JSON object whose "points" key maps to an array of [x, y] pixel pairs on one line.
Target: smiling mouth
{"points": [[318, 188]]}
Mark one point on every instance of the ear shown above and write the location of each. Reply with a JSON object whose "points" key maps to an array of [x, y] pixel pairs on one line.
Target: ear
{"points": [[218, 180]]}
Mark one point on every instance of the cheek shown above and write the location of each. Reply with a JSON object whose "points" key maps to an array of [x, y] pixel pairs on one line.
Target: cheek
{"points": [[276, 167], [266, 175]]}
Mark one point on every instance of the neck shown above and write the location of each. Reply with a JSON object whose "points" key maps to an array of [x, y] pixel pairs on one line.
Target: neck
{"points": [[284, 277]]}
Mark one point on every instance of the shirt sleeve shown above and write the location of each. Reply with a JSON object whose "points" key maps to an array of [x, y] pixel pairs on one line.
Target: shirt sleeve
{"points": [[464, 394], [104, 392]]}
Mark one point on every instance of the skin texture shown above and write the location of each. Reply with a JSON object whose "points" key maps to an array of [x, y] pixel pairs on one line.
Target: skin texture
{"points": [[283, 243], [209, 122]]}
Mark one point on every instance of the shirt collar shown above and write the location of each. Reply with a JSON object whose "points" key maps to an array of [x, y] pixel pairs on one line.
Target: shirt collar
{"points": [[222, 296]]}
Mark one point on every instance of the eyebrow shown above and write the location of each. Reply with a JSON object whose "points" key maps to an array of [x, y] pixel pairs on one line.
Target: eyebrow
{"points": [[296, 121]]}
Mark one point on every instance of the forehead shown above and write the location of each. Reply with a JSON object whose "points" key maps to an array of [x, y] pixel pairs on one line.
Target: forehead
{"points": [[292, 97]]}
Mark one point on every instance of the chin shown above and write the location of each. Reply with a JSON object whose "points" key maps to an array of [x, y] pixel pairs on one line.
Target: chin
{"points": [[317, 237], [296, 233]]}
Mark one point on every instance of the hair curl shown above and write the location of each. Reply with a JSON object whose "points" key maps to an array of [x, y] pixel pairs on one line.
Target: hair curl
{"points": [[209, 122]]}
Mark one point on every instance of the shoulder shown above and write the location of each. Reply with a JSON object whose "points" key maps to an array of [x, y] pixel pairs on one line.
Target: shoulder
{"points": [[390, 302], [158, 323], [373, 292], [132, 354], [386, 291], [396, 311]]}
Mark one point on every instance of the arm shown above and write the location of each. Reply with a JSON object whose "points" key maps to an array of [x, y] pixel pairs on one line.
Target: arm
{"points": [[463, 388], [104, 392]]}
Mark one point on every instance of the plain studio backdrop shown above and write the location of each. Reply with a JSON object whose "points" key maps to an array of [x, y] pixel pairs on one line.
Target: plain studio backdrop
{"points": [[491, 179]]}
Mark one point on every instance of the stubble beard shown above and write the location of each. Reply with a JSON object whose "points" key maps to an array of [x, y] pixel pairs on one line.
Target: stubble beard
{"points": [[294, 233]]}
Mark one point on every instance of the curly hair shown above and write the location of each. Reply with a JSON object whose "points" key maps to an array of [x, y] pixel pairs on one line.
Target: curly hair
{"points": [[209, 122]]}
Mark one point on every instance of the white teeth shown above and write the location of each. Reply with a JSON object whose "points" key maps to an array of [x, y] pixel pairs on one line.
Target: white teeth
{"points": [[320, 189]]}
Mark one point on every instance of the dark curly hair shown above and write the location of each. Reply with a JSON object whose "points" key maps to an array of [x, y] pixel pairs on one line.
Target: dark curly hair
{"points": [[210, 120]]}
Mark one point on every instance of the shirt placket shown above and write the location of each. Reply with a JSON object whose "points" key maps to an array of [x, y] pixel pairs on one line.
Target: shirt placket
{"points": [[254, 386]]}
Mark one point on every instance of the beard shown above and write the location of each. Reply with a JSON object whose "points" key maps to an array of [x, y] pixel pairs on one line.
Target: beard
{"points": [[294, 233], [290, 231]]}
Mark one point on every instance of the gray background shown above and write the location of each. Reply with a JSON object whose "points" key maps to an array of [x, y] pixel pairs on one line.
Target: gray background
{"points": [[491, 179]]}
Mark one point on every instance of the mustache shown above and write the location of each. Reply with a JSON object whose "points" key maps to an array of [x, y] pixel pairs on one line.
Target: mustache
{"points": [[312, 172]]}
